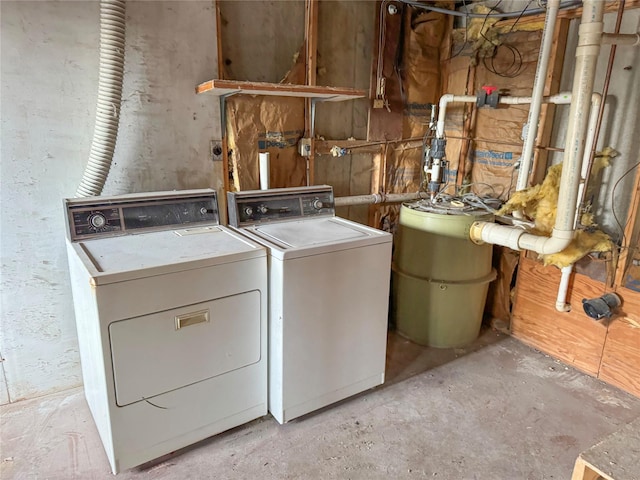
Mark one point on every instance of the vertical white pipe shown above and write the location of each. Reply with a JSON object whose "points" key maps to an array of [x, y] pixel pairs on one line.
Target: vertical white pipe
{"points": [[264, 170], [596, 99], [538, 91], [589, 36], [561, 299]]}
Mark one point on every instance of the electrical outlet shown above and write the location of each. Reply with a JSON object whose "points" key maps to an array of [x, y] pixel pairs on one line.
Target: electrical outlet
{"points": [[378, 103], [304, 147], [215, 150]]}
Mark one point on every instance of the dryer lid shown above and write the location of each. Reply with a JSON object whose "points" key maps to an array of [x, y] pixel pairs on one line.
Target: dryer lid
{"points": [[127, 257]]}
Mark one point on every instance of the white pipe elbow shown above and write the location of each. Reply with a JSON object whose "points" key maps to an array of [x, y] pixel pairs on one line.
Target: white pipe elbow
{"points": [[517, 239], [442, 113], [558, 241]]}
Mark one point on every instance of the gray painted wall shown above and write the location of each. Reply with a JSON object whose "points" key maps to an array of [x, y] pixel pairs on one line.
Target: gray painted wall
{"points": [[621, 120], [49, 73]]}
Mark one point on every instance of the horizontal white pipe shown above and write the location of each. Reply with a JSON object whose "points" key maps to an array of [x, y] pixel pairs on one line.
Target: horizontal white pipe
{"points": [[376, 198], [563, 98], [517, 239], [632, 39], [561, 299]]}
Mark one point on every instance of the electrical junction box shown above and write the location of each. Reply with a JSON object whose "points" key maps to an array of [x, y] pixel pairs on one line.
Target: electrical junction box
{"points": [[304, 147]]}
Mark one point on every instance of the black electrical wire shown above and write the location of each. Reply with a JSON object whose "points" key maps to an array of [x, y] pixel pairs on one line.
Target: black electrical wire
{"points": [[455, 13], [513, 70], [613, 205]]}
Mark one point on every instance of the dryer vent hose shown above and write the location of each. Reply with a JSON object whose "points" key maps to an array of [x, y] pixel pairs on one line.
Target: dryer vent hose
{"points": [[112, 27]]}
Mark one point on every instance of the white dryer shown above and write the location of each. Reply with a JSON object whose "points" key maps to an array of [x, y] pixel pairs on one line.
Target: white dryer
{"points": [[171, 312], [328, 296]]}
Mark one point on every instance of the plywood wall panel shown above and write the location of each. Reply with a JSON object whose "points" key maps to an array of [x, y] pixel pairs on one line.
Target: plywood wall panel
{"points": [[572, 337], [621, 356]]}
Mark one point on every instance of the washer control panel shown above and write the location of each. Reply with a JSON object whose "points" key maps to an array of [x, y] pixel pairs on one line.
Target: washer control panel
{"points": [[96, 217], [263, 206]]}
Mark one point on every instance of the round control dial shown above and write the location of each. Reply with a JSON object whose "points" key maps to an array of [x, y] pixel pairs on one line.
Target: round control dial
{"points": [[263, 209], [248, 211], [317, 204], [97, 221]]}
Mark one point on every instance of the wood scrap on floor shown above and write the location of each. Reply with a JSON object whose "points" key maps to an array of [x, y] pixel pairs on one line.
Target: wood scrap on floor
{"points": [[617, 457]]}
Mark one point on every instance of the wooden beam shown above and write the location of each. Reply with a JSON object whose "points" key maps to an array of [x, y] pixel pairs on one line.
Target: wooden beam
{"points": [[219, 87], [223, 114], [311, 57], [633, 217], [221, 66], [385, 120]]}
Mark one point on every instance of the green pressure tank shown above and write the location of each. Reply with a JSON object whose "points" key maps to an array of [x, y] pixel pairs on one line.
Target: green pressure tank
{"points": [[440, 277]]}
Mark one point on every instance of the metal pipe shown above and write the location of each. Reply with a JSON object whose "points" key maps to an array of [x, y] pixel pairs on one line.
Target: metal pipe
{"points": [[536, 97], [455, 13], [376, 198]]}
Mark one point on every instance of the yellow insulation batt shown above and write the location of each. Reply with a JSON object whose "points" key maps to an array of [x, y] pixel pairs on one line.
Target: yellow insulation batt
{"points": [[540, 204]]}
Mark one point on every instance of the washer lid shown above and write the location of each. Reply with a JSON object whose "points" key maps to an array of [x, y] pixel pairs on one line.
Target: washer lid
{"points": [[305, 233], [135, 256]]}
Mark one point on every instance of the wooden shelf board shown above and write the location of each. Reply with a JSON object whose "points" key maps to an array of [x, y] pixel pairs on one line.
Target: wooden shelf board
{"points": [[219, 87]]}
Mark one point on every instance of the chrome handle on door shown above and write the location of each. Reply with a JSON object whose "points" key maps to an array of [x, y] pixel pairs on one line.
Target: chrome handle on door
{"points": [[192, 318]]}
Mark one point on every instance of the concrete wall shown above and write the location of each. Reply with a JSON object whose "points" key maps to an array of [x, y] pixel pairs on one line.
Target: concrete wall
{"points": [[49, 84]]}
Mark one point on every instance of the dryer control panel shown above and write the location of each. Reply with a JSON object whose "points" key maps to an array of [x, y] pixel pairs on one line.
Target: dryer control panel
{"points": [[96, 217], [263, 206]]}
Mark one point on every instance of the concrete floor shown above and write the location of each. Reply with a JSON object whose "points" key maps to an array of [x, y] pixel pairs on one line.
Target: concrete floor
{"points": [[495, 410]]}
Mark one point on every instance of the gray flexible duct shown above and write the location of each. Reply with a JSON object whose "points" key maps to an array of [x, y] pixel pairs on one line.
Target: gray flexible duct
{"points": [[112, 26]]}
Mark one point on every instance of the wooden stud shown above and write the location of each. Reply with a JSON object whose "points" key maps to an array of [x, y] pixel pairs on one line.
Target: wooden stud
{"points": [[311, 50], [624, 261], [386, 124], [221, 66], [221, 75]]}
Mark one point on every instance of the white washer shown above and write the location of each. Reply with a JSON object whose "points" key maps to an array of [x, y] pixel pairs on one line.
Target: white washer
{"points": [[328, 296], [171, 312]]}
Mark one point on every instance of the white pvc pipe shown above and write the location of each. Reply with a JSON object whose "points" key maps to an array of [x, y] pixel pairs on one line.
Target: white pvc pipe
{"points": [[442, 109], [590, 33], [263, 160], [536, 97], [561, 299], [596, 100], [112, 30]]}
